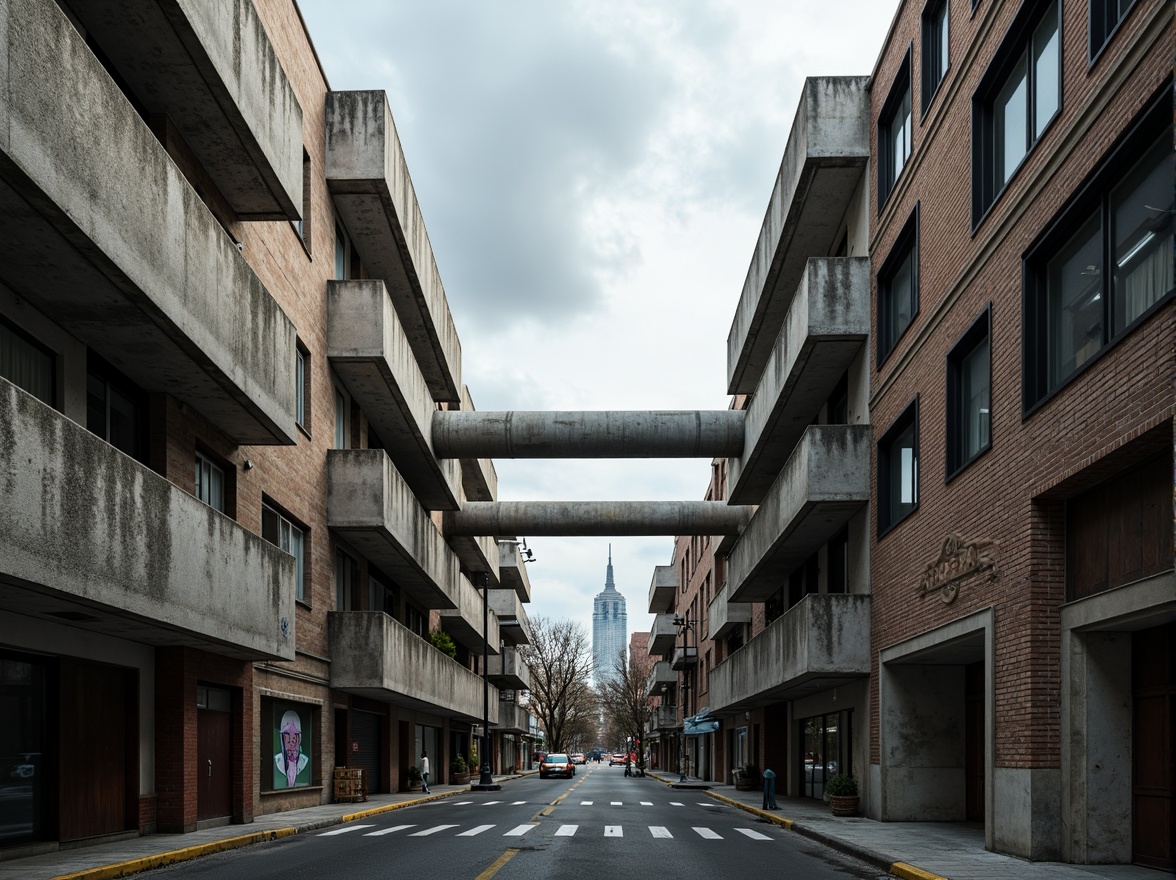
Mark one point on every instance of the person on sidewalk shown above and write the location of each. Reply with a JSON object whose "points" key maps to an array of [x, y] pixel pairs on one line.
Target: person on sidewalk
{"points": [[770, 790], [425, 771]]}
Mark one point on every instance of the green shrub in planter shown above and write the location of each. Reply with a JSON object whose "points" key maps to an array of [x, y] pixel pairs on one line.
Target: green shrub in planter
{"points": [[414, 773], [840, 785], [443, 642], [458, 765]]}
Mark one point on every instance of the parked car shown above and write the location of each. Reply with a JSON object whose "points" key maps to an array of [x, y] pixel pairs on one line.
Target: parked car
{"points": [[556, 765], [578, 758], [617, 759]]}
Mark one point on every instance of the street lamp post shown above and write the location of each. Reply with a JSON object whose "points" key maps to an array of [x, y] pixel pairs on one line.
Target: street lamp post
{"points": [[485, 779], [685, 626]]}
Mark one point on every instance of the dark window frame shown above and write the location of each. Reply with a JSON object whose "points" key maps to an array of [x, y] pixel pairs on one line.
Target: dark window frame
{"points": [[302, 584], [956, 459], [302, 387], [906, 242], [901, 92], [113, 379], [934, 49], [906, 419], [1016, 47], [54, 371], [1102, 33]]}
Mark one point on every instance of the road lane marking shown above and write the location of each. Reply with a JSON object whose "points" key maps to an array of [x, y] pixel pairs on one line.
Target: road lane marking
{"points": [[647, 803], [491, 803], [497, 866], [613, 831], [519, 830], [391, 830], [346, 830], [708, 834], [676, 804], [459, 803], [617, 804], [517, 803], [708, 804], [754, 835], [566, 831], [585, 803], [473, 832], [660, 831], [432, 830]]}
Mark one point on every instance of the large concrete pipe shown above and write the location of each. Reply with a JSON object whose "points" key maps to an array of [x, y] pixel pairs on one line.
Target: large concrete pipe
{"points": [[596, 518], [588, 434]]}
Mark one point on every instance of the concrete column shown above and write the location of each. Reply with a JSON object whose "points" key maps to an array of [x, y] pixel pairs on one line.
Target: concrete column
{"points": [[595, 518], [605, 434]]}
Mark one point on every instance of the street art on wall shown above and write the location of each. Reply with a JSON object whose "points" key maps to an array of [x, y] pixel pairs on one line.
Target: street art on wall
{"points": [[292, 745]]}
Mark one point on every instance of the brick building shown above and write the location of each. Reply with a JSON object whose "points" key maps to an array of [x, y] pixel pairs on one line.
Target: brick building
{"points": [[222, 339]]}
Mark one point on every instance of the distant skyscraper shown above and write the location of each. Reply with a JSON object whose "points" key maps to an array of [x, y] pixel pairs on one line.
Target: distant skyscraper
{"points": [[610, 625]]}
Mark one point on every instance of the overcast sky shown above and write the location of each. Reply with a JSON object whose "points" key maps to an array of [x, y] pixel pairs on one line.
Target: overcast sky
{"points": [[593, 175]]}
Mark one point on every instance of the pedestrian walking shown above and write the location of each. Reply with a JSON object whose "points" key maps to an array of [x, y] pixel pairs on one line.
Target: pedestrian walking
{"points": [[425, 771]]}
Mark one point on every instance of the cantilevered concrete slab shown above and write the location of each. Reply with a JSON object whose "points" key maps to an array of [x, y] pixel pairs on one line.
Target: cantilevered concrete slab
{"points": [[589, 434], [663, 634], [819, 643], [211, 70], [373, 507], [376, 657], [664, 718], [661, 675], [825, 157], [512, 571], [479, 479], [512, 718], [663, 587], [464, 622], [90, 537], [825, 327], [477, 554], [590, 518], [507, 670], [726, 616], [368, 349], [824, 483], [373, 193], [127, 258], [684, 657], [513, 622]]}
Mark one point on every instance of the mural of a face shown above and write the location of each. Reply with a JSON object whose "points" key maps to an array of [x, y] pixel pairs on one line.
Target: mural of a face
{"points": [[291, 730]]}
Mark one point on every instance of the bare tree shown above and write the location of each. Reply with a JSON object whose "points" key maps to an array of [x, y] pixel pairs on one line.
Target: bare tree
{"points": [[560, 661], [622, 695]]}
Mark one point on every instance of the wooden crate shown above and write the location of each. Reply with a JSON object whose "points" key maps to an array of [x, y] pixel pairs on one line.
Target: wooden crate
{"points": [[350, 786]]}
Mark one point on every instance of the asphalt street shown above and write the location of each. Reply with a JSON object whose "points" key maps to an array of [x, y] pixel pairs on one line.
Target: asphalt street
{"points": [[601, 825]]}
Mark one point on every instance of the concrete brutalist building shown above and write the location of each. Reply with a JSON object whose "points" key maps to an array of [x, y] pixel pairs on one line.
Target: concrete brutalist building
{"points": [[223, 336]]}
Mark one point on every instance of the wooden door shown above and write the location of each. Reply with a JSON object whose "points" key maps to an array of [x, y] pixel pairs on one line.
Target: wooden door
{"points": [[214, 764], [1153, 733], [974, 742], [365, 755], [94, 749]]}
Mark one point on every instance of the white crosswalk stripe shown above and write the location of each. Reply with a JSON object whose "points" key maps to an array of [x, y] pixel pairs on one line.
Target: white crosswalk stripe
{"points": [[345, 830], [516, 803], [432, 830], [676, 804], [647, 803], [613, 831], [491, 803], [457, 803], [617, 804], [391, 830], [566, 831], [660, 831], [708, 834], [585, 803], [476, 830], [519, 830], [754, 835]]}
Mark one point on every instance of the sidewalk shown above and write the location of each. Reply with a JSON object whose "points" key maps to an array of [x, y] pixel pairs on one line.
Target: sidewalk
{"points": [[125, 857], [914, 850]]}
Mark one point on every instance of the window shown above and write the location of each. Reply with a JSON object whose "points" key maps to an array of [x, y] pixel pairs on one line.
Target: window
{"points": [[346, 581], [341, 428], [283, 533], [898, 470], [838, 549], [838, 404], [898, 287], [894, 133], [382, 597], [1105, 16], [27, 364], [935, 48], [303, 226], [1018, 97], [415, 619], [969, 395], [1105, 264], [341, 253], [301, 387], [210, 483], [116, 409]]}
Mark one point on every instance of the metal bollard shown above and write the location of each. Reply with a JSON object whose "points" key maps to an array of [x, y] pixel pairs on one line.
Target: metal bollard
{"points": [[769, 790]]}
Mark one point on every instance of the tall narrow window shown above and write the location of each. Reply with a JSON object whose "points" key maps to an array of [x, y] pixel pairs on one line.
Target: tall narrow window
{"points": [[301, 387], [894, 132], [116, 409], [303, 225], [1105, 16], [346, 579], [898, 287], [27, 364], [934, 42], [341, 253], [210, 483], [969, 395], [341, 413], [898, 470], [280, 531]]}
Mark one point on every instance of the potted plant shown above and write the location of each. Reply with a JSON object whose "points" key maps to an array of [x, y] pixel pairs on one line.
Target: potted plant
{"points": [[459, 773], [842, 792], [414, 778], [747, 779]]}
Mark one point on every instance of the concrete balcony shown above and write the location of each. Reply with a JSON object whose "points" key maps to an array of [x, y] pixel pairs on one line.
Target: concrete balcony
{"points": [[373, 656], [826, 325], [824, 483], [512, 571], [684, 658], [477, 554], [513, 622], [664, 718], [368, 349], [819, 643], [211, 70], [663, 588], [464, 622], [373, 193], [507, 670], [91, 537], [661, 674], [727, 616], [663, 634], [512, 718], [373, 507], [100, 231], [824, 161], [479, 479]]}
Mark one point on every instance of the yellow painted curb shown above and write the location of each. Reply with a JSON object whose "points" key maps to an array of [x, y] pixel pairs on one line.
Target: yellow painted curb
{"points": [[910, 872], [134, 866], [763, 814]]}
